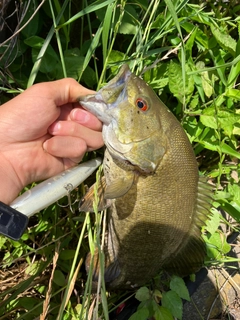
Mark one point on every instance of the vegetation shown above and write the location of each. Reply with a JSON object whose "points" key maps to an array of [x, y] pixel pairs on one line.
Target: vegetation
{"points": [[190, 54]]}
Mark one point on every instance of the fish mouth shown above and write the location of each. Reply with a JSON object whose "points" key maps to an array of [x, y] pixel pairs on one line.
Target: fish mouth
{"points": [[102, 105], [108, 97]]}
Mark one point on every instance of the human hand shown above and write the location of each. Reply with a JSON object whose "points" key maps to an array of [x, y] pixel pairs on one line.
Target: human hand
{"points": [[44, 131]]}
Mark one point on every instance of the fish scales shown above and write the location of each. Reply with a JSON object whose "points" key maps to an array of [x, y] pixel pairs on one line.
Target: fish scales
{"points": [[152, 183]]}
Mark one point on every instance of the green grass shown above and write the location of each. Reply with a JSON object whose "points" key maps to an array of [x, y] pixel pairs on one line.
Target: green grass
{"points": [[190, 55]]}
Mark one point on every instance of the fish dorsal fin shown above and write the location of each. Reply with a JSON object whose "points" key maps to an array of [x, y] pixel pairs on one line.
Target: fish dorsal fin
{"points": [[118, 187], [86, 203], [190, 256]]}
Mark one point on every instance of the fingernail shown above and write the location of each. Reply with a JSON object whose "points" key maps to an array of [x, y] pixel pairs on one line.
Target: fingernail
{"points": [[54, 128], [80, 115]]}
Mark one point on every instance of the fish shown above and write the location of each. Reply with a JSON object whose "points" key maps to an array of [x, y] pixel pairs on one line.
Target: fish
{"points": [[157, 202]]}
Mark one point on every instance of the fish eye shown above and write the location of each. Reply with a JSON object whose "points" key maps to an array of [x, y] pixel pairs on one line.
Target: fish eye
{"points": [[141, 104]]}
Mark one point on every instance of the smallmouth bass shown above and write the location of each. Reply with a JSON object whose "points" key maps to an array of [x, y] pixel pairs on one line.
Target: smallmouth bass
{"points": [[157, 202]]}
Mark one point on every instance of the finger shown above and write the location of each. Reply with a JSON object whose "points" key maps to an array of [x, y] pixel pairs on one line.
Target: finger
{"points": [[85, 118], [92, 138], [66, 147], [67, 90]]}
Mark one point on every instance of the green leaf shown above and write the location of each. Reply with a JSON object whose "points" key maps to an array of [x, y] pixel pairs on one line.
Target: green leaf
{"points": [[178, 285], [129, 21], [162, 314], [173, 303], [212, 224], [49, 59], [2, 241], [33, 268], [233, 93], [224, 40], [176, 81], [34, 42], [59, 278], [200, 36], [27, 302], [67, 254], [32, 26], [233, 209], [217, 245], [141, 314], [142, 294], [215, 118], [223, 147], [207, 84]]}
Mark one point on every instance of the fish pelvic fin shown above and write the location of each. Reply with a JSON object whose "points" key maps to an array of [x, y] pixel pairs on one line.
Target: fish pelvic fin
{"points": [[191, 254], [111, 268]]}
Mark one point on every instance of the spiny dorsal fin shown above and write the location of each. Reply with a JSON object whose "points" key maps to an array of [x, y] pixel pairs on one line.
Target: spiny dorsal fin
{"points": [[190, 256]]}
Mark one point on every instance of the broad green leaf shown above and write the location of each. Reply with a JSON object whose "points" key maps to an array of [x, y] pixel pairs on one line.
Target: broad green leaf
{"points": [[234, 190], [189, 45], [162, 313], [200, 36], [32, 26], [173, 303], [217, 245], [27, 302], [223, 147], [178, 285], [215, 118], [157, 77], [67, 254], [141, 314], [233, 93], [74, 63], [142, 294], [176, 81], [233, 209], [224, 39], [206, 83], [129, 22], [59, 278], [34, 42], [212, 224], [49, 60]]}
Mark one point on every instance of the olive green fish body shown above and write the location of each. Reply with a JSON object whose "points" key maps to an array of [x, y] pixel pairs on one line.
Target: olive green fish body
{"points": [[152, 178]]}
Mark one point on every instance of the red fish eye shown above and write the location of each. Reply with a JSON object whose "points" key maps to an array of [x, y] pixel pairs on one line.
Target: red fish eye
{"points": [[141, 104]]}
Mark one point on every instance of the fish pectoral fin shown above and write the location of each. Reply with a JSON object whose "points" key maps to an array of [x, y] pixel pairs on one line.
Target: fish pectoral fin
{"points": [[86, 203], [120, 186]]}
